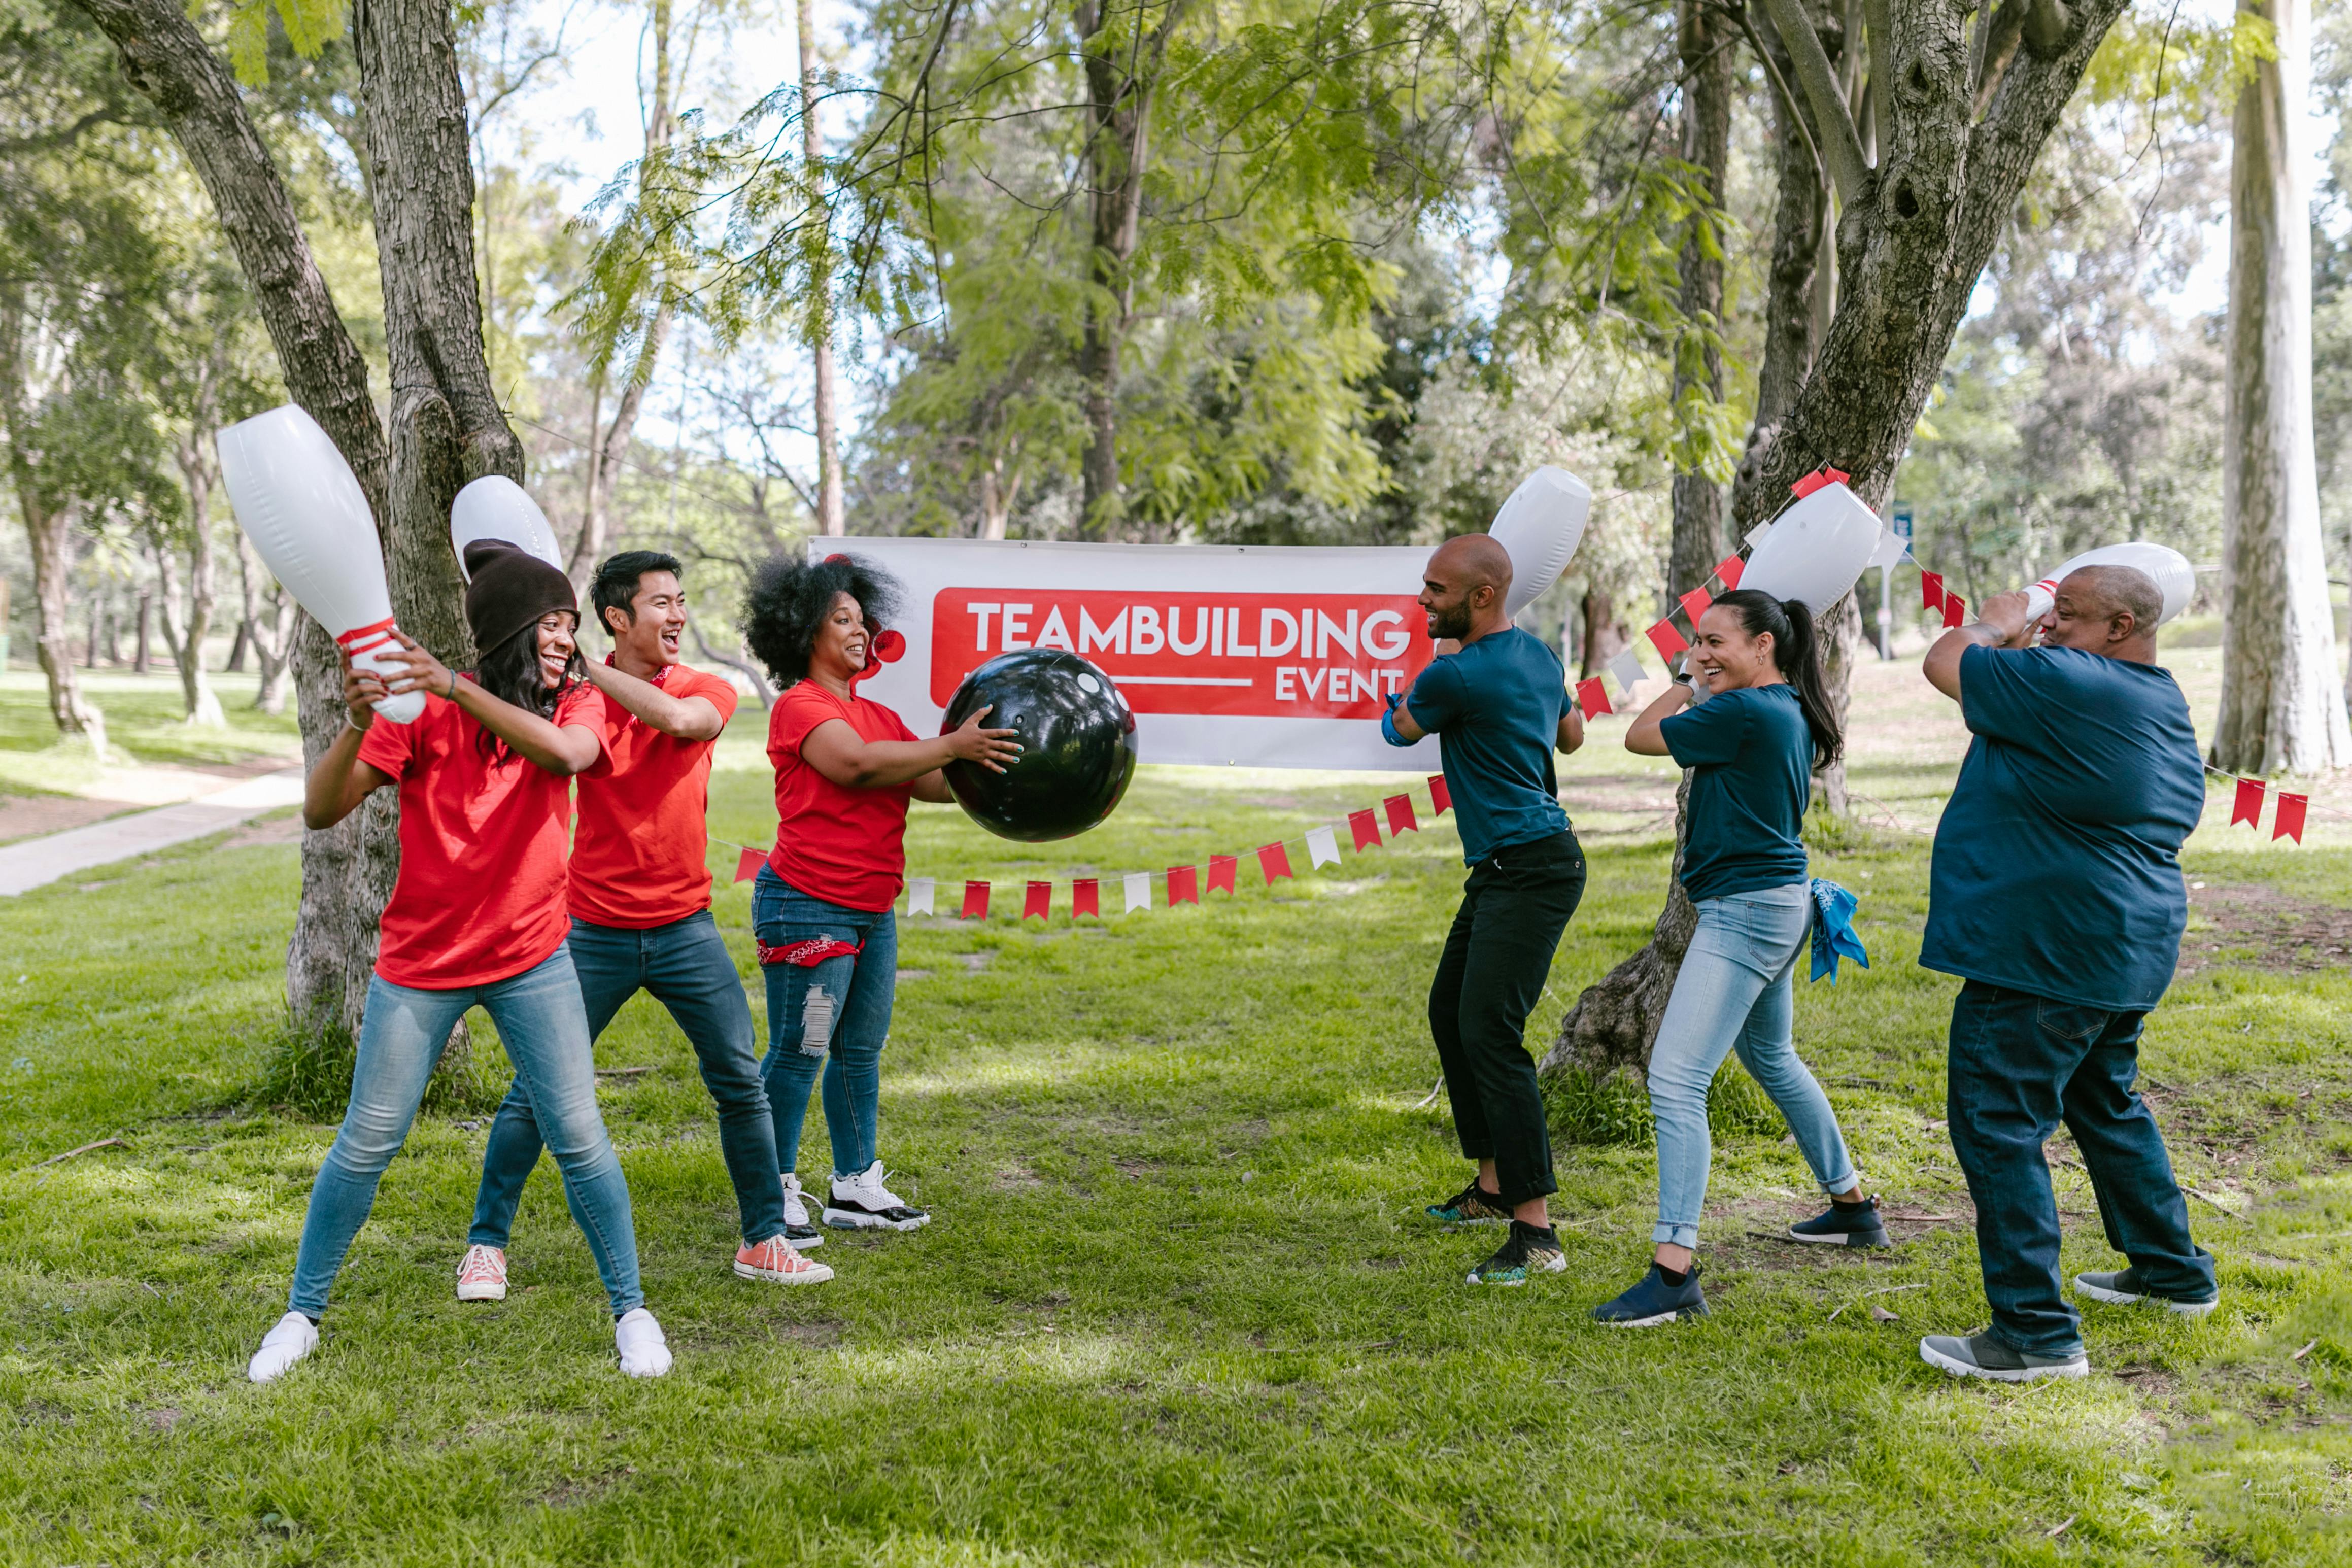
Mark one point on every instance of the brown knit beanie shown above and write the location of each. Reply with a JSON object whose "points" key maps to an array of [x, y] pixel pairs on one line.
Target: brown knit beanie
{"points": [[511, 588]]}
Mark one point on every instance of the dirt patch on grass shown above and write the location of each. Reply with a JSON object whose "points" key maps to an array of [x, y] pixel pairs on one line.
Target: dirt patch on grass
{"points": [[822, 1335], [2288, 933]]}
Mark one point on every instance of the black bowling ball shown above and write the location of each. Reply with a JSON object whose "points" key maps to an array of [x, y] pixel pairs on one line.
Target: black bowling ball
{"points": [[1077, 739]]}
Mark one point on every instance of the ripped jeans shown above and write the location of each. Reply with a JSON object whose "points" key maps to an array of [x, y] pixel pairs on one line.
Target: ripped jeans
{"points": [[828, 1018]]}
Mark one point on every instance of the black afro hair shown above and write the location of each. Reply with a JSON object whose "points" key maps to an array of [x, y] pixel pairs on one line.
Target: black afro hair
{"points": [[790, 598]]}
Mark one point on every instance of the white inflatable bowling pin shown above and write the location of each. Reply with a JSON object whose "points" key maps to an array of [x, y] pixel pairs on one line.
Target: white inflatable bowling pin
{"points": [[494, 507], [2174, 578], [1816, 550], [297, 500], [1540, 528]]}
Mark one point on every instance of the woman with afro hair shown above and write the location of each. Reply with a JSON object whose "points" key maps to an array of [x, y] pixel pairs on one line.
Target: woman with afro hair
{"points": [[846, 768]]}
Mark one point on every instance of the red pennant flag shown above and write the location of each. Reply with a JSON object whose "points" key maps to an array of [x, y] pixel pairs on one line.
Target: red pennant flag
{"points": [[1038, 902], [1400, 817], [1440, 799], [2248, 807], [1931, 590], [1275, 861], [1085, 897], [1220, 872], [975, 901], [1368, 834], [1665, 639], [1956, 610], [1694, 604], [1727, 571], [1182, 887], [1594, 697], [747, 864], [2288, 821]]}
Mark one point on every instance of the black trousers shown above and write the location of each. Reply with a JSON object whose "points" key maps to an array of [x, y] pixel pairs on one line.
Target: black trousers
{"points": [[1496, 957]]}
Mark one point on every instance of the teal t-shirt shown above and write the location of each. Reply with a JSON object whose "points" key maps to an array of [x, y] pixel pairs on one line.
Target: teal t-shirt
{"points": [[1751, 762], [1495, 708], [2057, 867]]}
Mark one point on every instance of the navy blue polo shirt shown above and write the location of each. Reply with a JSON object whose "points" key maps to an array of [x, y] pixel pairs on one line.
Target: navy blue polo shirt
{"points": [[1495, 708], [2057, 868], [1751, 762]]}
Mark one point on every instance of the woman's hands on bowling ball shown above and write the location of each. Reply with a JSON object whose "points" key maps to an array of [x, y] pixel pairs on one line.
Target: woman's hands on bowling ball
{"points": [[990, 748]]}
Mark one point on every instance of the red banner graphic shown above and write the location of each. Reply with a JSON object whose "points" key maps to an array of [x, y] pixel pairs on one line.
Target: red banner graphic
{"points": [[1289, 656]]}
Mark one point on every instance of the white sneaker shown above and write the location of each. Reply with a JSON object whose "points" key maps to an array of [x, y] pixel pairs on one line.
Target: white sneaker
{"points": [[644, 1352], [797, 1229], [294, 1337], [862, 1203], [482, 1276]]}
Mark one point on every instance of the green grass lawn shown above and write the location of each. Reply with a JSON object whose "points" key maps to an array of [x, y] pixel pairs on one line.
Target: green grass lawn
{"points": [[1178, 1304], [143, 724]]}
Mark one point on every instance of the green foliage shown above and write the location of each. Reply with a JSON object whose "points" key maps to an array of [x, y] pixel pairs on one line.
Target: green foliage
{"points": [[308, 1072], [309, 26], [1612, 1109]]}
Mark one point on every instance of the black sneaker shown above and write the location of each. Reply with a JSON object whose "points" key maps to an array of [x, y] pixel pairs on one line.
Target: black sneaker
{"points": [[1474, 1205], [2124, 1286], [1526, 1250], [1985, 1356], [1846, 1225], [862, 1203], [1653, 1302]]}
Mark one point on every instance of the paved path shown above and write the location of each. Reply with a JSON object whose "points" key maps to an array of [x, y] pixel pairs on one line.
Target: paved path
{"points": [[35, 862]]}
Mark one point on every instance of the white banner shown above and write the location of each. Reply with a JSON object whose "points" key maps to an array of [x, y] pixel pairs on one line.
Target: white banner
{"points": [[1252, 656]]}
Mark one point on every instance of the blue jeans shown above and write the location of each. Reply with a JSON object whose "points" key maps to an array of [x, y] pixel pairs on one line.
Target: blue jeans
{"points": [[830, 1019], [2021, 1064], [686, 966], [545, 1033], [1736, 993]]}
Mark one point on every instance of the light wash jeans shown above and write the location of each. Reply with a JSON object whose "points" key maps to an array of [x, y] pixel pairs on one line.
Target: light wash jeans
{"points": [[544, 1028], [827, 1020], [1735, 993]]}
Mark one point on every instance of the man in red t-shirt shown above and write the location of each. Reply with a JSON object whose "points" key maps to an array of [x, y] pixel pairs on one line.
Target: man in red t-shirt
{"points": [[640, 905]]}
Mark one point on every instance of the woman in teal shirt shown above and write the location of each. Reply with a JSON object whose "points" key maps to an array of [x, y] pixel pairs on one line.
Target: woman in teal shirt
{"points": [[1751, 747]]}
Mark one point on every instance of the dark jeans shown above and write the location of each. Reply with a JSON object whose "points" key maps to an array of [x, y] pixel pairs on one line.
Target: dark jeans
{"points": [[2020, 1065], [686, 966], [1496, 958]]}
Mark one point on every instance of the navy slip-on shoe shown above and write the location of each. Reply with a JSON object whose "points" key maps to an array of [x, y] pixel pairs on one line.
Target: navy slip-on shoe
{"points": [[1653, 1302], [1985, 1356], [1844, 1226], [2123, 1287]]}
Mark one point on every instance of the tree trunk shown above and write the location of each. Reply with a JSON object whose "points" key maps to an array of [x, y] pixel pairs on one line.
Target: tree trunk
{"points": [[1916, 232], [1704, 33], [50, 530], [831, 517], [238, 645], [146, 620], [196, 459], [1603, 638], [1118, 115], [2282, 705]]}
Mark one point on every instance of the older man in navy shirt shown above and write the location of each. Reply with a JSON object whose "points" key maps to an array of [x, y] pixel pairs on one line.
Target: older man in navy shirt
{"points": [[2057, 897]]}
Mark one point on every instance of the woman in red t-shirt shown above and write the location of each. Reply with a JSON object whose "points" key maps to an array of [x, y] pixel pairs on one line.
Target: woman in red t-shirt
{"points": [[476, 918], [846, 768]]}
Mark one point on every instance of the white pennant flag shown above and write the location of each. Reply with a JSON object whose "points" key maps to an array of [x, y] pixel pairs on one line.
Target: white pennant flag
{"points": [[1138, 890], [1756, 534], [918, 895], [1627, 670], [1322, 849], [1891, 549]]}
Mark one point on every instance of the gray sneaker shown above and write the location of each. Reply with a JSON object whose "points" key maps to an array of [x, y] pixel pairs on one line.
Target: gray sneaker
{"points": [[2123, 1286], [1985, 1356]]}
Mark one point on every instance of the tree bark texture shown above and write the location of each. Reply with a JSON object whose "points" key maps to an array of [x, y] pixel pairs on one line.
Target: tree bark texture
{"points": [[446, 427], [196, 459], [1916, 232], [831, 515], [2281, 701], [1704, 36], [1119, 107]]}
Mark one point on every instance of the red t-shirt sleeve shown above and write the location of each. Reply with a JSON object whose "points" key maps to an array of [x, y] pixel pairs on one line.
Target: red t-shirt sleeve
{"points": [[584, 705], [717, 692], [388, 747], [796, 713]]}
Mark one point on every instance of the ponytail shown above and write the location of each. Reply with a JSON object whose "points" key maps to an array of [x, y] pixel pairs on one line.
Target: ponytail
{"points": [[1796, 652]]}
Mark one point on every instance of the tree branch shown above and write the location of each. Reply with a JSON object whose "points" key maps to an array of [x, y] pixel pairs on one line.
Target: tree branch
{"points": [[1841, 143], [1788, 104], [2003, 27]]}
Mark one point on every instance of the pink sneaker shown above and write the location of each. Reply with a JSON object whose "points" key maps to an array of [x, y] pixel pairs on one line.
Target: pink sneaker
{"points": [[482, 1276], [774, 1260]]}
